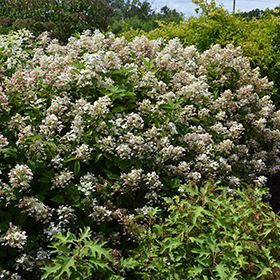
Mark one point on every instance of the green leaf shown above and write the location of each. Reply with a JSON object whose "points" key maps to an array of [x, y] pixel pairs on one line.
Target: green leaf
{"points": [[32, 166], [68, 262], [124, 165], [116, 277], [58, 198], [76, 71], [263, 270], [98, 156], [85, 233], [130, 263], [79, 65], [197, 213], [195, 271], [71, 158], [241, 260], [35, 137], [165, 107], [265, 233], [5, 118], [168, 200], [97, 250], [108, 163], [45, 180], [77, 167], [10, 151], [40, 197], [118, 109], [50, 269], [50, 149], [171, 244], [221, 270]]}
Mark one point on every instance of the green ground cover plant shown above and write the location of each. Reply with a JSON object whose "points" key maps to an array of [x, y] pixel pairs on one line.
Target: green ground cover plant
{"points": [[100, 137]]}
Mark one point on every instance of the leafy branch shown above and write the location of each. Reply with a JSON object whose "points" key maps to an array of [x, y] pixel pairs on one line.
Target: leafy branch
{"points": [[77, 258]]}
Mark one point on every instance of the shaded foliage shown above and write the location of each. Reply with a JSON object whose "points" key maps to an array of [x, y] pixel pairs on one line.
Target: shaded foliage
{"points": [[61, 18]]}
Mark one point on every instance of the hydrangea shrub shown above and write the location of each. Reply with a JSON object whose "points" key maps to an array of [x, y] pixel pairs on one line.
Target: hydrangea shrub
{"points": [[96, 132]]}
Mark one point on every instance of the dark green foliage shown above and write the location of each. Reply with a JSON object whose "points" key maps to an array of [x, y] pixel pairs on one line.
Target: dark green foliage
{"points": [[61, 18], [256, 13]]}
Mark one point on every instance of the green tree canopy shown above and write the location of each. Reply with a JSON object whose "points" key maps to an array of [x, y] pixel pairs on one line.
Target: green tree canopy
{"points": [[60, 18], [139, 14]]}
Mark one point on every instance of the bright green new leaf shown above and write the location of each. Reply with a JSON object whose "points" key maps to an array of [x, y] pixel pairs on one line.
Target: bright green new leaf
{"points": [[222, 270], [197, 213]]}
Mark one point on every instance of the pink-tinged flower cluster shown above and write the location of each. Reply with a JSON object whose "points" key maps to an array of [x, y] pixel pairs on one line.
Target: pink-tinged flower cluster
{"points": [[62, 179], [6, 192], [82, 152], [4, 100], [20, 177], [3, 141], [14, 237]]}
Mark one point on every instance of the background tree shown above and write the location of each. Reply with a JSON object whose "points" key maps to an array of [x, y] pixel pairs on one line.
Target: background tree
{"points": [[256, 13], [60, 18], [139, 15]]}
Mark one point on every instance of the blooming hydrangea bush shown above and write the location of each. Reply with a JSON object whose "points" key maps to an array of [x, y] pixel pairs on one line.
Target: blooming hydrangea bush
{"points": [[98, 131]]}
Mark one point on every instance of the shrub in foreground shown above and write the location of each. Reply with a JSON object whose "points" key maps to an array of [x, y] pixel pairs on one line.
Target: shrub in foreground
{"points": [[211, 233], [95, 133]]}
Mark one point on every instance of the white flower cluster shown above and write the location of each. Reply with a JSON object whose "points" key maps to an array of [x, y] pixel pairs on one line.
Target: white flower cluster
{"points": [[14, 237], [35, 208], [20, 177], [66, 214], [4, 100], [5, 274], [3, 141], [63, 178], [52, 230], [7, 192], [15, 46], [133, 178], [82, 152], [24, 262], [87, 184]]}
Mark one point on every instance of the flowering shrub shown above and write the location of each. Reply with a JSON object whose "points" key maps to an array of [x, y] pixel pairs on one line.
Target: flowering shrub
{"points": [[95, 133], [258, 37]]}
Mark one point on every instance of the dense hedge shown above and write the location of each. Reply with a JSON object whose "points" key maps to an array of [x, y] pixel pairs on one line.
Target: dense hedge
{"points": [[100, 137]]}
